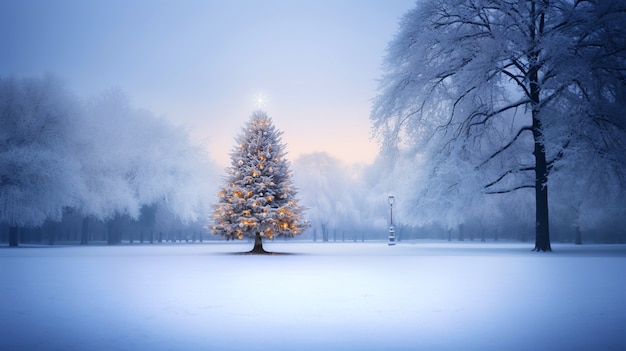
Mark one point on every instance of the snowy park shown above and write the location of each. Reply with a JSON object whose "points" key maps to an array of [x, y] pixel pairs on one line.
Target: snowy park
{"points": [[313, 175], [420, 295]]}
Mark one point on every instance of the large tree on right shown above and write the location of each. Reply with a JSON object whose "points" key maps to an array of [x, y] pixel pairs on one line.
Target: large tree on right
{"points": [[510, 90]]}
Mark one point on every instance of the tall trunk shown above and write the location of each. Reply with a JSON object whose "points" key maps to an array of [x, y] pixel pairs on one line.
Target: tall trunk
{"points": [[542, 232], [13, 236]]}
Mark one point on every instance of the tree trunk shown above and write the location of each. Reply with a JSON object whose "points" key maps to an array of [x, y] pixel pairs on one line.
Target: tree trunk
{"points": [[114, 230], [258, 245], [84, 232], [542, 232], [13, 236], [579, 237], [52, 234]]}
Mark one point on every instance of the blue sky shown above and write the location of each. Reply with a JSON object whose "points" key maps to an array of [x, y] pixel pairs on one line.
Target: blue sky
{"points": [[202, 63]]}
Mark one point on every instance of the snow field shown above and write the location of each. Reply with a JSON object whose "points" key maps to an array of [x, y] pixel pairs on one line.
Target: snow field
{"points": [[357, 296]]}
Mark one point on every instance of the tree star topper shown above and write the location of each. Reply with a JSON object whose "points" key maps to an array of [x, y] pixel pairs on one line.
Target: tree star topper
{"points": [[261, 100]]}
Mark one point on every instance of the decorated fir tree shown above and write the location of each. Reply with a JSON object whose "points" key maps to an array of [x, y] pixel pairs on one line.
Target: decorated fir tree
{"points": [[258, 200]]}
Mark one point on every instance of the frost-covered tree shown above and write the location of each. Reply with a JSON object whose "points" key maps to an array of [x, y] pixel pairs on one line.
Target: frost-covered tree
{"points": [[332, 193], [130, 159], [38, 174], [100, 158], [258, 199], [508, 88]]}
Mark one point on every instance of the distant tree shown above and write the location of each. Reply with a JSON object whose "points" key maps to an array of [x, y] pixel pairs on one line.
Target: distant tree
{"points": [[329, 192], [100, 158], [107, 151], [510, 88], [258, 200], [38, 176], [131, 159]]}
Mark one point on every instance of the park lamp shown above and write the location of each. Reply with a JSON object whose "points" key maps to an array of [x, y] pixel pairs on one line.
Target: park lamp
{"points": [[392, 233]]}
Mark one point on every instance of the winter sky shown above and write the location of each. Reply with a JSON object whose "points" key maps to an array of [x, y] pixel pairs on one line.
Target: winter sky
{"points": [[202, 63]]}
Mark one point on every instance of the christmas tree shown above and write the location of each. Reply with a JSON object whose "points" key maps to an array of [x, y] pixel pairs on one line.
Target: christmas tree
{"points": [[258, 200]]}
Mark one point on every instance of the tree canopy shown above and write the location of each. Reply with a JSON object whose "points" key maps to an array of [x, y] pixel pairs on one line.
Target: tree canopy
{"points": [[99, 157], [499, 96]]}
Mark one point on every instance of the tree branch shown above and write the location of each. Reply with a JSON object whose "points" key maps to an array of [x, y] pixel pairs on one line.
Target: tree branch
{"points": [[505, 147], [487, 116], [511, 171], [510, 190]]}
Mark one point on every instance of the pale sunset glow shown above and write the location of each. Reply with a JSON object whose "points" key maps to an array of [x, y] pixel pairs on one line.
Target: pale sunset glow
{"points": [[312, 175], [206, 65]]}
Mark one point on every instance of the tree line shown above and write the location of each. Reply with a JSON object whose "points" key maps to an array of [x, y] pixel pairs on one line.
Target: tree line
{"points": [[98, 159], [98, 170], [483, 107]]}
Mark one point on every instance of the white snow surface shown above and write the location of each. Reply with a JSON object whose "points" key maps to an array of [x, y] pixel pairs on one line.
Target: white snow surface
{"points": [[320, 296]]}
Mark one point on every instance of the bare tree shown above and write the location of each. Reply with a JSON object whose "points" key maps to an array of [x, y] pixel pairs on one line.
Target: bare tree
{"points": [[505, 86]]}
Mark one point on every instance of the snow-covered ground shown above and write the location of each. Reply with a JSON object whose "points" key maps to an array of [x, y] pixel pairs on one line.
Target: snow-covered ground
{"points": [[324, 296]]}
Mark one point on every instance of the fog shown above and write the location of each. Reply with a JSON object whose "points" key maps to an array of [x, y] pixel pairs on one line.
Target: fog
{"points": [[96, 158], [75, 169]]}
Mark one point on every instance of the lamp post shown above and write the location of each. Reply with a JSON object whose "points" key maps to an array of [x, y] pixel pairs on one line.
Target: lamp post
{"points": [[392, 233]]}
